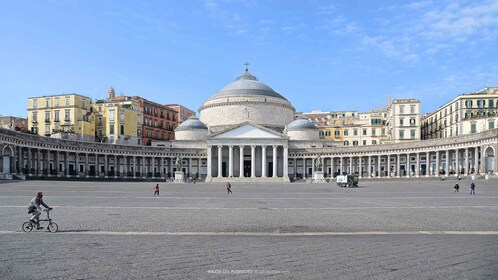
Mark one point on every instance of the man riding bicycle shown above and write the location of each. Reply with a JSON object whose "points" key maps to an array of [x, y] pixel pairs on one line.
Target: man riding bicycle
{"points": [[34, 208]]}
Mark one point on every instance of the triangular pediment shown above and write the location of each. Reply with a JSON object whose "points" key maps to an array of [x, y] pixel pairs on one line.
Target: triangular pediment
{"points": [[248, 131]]}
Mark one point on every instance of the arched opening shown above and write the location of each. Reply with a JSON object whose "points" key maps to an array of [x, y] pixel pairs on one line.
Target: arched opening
{"points": [[489, 155], [7, 154]]}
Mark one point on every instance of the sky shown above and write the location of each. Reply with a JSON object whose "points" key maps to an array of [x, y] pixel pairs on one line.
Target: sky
{"points": [[320, 55]]}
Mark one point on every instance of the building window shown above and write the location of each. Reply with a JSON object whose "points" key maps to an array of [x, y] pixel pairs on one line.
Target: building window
{"points": [[364, 131], [47, 116], [99, 121], [468, 103], [56, 116], [355, 132], [412, 109], [491, 103], [346, 143], [35, 103], [56, 102], [34, 130], [373, 131], [111, 129], [320, 133], [355, 143], [67, 101], [327, 133], [66, 115], [121, 116], [111, 115], [345, 132], [413, 133], [383, 131], [401, 121], [374, 142], [491, 124], [84, 104], [364, 142], [473, 128], [47, 102], [35, 117], [100, 108], [401, 109], [401, 134], [337, 133], [47, 129], [121, 129]]}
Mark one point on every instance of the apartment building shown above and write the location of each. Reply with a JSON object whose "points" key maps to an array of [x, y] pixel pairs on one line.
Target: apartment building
{"points": [[466, 114]]}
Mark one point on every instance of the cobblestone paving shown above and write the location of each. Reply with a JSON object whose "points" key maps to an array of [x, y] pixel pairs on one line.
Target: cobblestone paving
{"points": [[398, 229]]}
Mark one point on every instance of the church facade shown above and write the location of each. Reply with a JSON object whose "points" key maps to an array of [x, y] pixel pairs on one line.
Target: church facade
{"points": [[245, 132]]}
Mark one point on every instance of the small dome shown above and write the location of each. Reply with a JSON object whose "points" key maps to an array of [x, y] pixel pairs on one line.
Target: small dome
{"points": [[190, 124], [301, 124]]}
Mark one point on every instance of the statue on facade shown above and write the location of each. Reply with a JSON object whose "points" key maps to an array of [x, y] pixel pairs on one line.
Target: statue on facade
{"points": [[178, 164], [318, 163]]}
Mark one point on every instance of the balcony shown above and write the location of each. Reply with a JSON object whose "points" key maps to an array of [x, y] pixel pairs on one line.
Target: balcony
{"points": [[47, 120]]}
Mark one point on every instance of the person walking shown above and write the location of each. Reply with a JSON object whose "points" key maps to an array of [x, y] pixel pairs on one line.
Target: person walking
{"points": [[456, 187], [156, 190], [229, 188], [472, 188]]}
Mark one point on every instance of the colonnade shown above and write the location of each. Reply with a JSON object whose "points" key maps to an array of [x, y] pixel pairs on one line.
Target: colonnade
{"points": [[456, 161], [252, 161]]}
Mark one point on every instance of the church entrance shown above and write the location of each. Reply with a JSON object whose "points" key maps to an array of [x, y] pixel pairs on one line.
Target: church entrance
{"points": [[247, 168]]}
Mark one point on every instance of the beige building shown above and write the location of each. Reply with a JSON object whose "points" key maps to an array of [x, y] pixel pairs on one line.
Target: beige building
{"points": [[68, 114], [14, 123], [403, 120], [465, 114]]}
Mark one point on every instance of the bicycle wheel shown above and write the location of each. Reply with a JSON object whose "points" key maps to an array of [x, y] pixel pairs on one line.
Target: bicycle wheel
{"points": [[52, 227], [27, 227]]}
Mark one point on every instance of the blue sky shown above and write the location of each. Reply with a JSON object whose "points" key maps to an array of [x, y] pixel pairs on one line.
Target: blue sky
{"points": [[327, 55]]}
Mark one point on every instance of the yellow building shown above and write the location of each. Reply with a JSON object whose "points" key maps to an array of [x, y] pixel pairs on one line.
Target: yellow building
{"points": [[65, 115], [118, 122], [466, 114]]}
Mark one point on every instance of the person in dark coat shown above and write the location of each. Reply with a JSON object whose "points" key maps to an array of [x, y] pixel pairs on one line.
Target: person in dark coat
{"points": [[472, 188], [156, 190], [456, 187], [229, 188]]}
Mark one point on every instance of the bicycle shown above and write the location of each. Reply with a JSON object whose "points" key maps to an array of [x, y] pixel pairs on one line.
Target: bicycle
{"points": [[52, 226]]}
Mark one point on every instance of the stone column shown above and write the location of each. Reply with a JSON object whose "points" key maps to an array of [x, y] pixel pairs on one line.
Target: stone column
{"points": [[332, 167], [77, 164], [417, 166], [209, 171], [219, 160], [305, 172], [274, 162], [427, 164], [286, 163], [199, 162], [161, 167], [466, 168], [106, 166], [378, 166], [20, 161], [66, 164], [398, 165], [457, 162], [97, 167], [408, 167], [230, 161], [86, 165], [436, 172], [189, 171], [476, 160], [295, 167], [57, 156], [38, 162], [388, 165], [134, 167], [241, 161], [253, 161], [447, 173], [153, 167], [263, 161], [342, 165], [369, 166], [351, 171]]}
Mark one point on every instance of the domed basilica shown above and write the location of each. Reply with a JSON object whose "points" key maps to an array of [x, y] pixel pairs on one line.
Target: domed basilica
{"points": [[247, 129]]}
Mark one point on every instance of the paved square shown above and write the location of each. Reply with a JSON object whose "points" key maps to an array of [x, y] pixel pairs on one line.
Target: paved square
{"points": [[385, 229]]}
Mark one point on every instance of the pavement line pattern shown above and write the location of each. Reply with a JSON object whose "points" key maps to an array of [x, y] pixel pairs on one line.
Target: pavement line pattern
{"points": [[264, 198], [270, 208], [263, 234]]}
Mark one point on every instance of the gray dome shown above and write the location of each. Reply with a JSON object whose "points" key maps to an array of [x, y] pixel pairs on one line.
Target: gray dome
{"points": [[245, 85], [301, 124], [190, 124]]}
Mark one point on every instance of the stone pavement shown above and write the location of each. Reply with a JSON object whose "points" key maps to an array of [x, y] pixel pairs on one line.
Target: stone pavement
{"points": [[396, 229]]}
